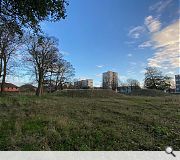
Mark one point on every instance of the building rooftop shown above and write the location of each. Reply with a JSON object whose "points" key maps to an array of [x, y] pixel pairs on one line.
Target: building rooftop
{"points": [[10, 85]]}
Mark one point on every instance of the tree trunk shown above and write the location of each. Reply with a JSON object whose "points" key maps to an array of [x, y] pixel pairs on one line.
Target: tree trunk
{"points": [[61, 86], [50, 82], [39, 90], [4, 75], [1, 66], [56, 86]]}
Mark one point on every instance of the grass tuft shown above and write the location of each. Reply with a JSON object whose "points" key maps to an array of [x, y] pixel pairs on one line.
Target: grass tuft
{"points": [[89, 120]]}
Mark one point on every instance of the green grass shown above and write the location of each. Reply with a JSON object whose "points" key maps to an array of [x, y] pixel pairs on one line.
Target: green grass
{"points": [[99, 120]]}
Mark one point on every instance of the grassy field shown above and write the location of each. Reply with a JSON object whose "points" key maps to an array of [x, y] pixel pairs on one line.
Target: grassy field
{"points": [[89, 121]]}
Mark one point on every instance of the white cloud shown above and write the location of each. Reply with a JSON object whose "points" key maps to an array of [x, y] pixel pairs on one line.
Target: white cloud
{"points": [[99, 66], [153, 24], [166, 44], [136, 32], [170, 73], [17, 80], [97, 84], [130, 72], [82, 78], [129, 55], [164, 41], [98, 75], [123, 78], [145, 44], [160, 6], [142, 84]]}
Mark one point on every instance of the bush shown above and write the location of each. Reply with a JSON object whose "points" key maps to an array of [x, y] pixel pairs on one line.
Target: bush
{"points": [[148, 92], [86, 93]]}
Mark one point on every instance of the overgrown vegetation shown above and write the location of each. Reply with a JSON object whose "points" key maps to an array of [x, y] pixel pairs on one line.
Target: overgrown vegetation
{"points": [[61, 121], [149, 92]]}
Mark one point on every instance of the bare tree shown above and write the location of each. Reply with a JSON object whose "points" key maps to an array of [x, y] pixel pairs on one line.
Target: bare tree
{"points": [[133, 84], [64, 73], [59, 75], [43, 54], [10, 41]]}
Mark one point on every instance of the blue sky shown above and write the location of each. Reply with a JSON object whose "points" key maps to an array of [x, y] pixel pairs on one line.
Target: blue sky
{"points": [[120, 35]]}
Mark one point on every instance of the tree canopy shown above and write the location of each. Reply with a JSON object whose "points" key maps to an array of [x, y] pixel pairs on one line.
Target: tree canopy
{"points": [[154, 79], [29, 13], [49, 68]]}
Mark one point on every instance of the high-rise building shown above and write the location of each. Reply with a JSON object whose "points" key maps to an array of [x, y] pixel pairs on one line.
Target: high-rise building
{"points": [[88, 83], [84, 84], [110, 80], [177, 80]]}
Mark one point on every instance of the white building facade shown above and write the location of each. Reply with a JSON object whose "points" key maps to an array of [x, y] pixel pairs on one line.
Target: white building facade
{"points": [[84, 84], [177, 80], [110, 80], [88, 83]]}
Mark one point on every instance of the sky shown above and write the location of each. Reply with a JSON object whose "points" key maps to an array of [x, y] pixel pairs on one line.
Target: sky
{"points": [[124, 36]]}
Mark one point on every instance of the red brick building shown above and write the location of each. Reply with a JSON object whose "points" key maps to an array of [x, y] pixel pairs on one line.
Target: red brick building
{"points": [[9, 87]]}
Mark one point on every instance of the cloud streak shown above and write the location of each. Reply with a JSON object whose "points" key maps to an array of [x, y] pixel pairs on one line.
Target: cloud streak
{"points": [[160, 6], [153, 24], [145, 44], [99, 66], [136, 32], [166, 45], [99, 75], [164, 41]]}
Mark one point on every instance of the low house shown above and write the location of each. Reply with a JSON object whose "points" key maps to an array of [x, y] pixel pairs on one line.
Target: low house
{"points": [[170, 90], [9, 87], [124, 89], [127, 89]]}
